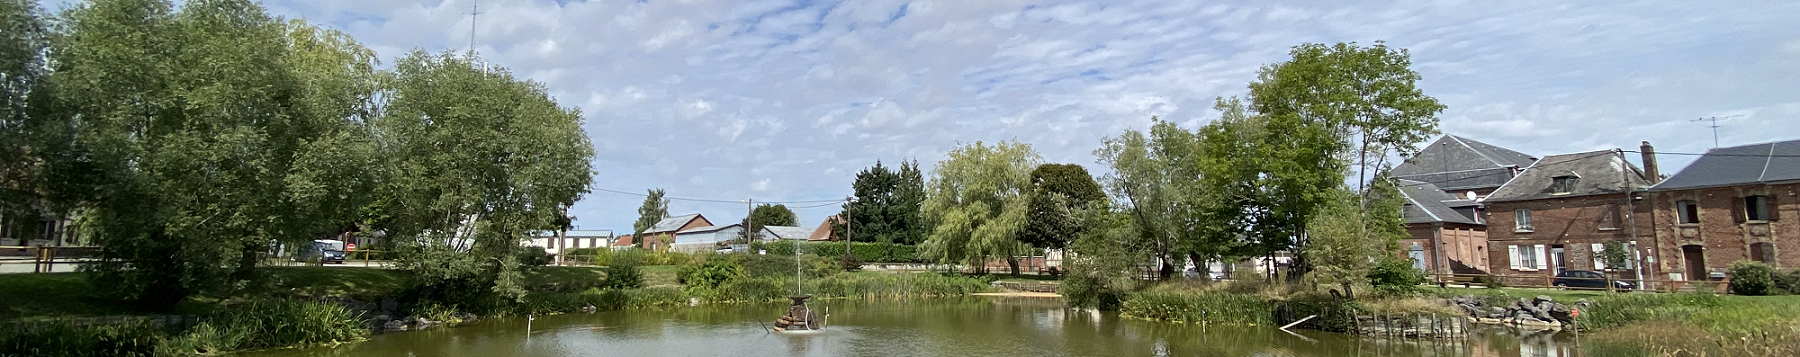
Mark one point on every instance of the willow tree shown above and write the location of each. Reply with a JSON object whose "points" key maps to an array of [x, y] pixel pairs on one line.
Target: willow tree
{"points": [[977, 203], [480, 159]]}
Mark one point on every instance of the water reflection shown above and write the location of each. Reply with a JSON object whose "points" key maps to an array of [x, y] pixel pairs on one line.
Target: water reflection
{"points": [[975, 326]]}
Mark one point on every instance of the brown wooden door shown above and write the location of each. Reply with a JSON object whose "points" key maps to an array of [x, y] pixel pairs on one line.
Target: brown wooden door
{"points": [[1696, 261]]}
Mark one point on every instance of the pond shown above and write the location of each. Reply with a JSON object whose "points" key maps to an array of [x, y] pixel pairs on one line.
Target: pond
{"points": [[969, 326]]}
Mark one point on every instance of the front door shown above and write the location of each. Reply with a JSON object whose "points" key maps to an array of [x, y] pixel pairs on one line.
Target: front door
{"points": [[1696, 261], [1556, 258]]}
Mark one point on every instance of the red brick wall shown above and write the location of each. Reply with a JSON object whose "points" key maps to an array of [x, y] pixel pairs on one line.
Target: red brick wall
{"points": [[1464, 247], [1574, 222], [1724, 239]]}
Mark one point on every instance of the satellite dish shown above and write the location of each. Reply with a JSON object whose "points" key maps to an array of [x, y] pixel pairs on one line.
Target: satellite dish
{"points": [[1471, 195]]}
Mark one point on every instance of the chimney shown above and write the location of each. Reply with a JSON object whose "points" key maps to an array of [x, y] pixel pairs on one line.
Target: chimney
{"points": [[1650, 172]]}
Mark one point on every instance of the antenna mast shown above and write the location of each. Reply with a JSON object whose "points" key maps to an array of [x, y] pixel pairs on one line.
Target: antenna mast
{"points": [[1715, 126], [473, 14]]}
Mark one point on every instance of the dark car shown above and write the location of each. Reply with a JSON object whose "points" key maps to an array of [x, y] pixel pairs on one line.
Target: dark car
{"points": [[332, 256], [1588, 279]]}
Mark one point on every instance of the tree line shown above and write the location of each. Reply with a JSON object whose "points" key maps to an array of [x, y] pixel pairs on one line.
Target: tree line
{"points": [[194, 142], [1294, 166]]}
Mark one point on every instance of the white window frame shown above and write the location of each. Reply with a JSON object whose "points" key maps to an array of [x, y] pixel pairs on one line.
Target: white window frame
{"points": [[1527, 257], [1522, 220]]}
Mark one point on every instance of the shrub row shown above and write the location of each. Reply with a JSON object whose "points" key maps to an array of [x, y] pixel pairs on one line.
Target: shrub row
{"points": [[764, 289], [867, 252]]}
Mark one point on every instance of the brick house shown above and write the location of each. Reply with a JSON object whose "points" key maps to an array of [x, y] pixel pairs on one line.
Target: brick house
{"points": [[1560, 211], [1463, 167], [1729, 206], [1443, 184], [664, 231], [1447, 233]]}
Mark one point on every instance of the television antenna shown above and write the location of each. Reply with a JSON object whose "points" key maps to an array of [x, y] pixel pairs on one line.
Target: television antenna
{"points": [[473, 14], [1715, 126]]}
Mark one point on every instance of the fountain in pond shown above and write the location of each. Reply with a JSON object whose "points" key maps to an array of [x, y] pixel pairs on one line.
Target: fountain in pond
{"points": [[799, 317]]}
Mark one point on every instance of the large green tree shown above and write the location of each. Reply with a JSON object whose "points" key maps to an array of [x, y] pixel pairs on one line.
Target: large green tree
{"points": [[481, 159], [766, 215], [977, 204], [653, 210], [1316, 115], [24, 36], [1365, 97], [1349, 235], [1155, 177], [197, 138], [1058, 191], [887, 205]]}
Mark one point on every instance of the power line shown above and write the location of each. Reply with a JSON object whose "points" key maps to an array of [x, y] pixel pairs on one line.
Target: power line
{"points": [[1712, 154], [640, 194]]}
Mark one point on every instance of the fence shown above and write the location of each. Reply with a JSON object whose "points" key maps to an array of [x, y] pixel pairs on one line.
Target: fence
{"points": [[44, 258], [1578, 283]]}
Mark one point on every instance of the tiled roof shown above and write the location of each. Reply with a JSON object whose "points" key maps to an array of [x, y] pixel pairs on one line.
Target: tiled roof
{"points": [[824, 230], [1774, 162], [1454, 162], [1426, 203], [624, 240], [1596, 172]]}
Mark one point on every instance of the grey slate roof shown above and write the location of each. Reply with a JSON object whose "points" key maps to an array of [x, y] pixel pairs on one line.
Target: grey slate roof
{"points": [[1454, 163], [785, 232], [672, 223], [1774, 162], [1426, 203], [1598, 172]]}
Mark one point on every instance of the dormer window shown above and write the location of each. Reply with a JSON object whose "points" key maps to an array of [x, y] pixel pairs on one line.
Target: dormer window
{"points": [[1563, 185]]}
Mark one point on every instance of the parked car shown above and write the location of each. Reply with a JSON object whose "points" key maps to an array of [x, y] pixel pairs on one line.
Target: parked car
{"points": [[1588, 279], [326, 250]]}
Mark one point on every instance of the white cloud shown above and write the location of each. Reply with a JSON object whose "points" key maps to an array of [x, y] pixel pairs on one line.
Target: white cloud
{"points": [[783, 100]]}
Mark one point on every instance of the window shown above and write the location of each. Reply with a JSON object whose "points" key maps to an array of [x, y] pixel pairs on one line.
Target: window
{"points": [[1756, 208], [1763, 252], [1562, 185], [1687, 212], [1609, 217], [1527, 257], [1522, 220]]}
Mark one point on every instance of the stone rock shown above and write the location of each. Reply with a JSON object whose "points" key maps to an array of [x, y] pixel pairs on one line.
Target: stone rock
{"points": [[395, 325], [1543, 298], [389, 306], [466, 317], [421, 322], [1496, 312]]}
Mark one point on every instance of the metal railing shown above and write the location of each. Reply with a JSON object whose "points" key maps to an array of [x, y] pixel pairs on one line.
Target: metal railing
{"points": [[44, 258]]}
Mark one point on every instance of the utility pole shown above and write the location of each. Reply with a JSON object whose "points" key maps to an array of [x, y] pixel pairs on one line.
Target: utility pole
{"points": [[847, 211], [473, 13], [1715, 126], [748, 211]]}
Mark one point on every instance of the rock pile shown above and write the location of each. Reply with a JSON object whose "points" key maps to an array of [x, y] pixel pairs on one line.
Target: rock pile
{"points": [[1541, 311]]}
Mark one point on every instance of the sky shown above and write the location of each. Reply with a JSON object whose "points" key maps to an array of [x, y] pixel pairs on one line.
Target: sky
{"points": [[786, 100]]}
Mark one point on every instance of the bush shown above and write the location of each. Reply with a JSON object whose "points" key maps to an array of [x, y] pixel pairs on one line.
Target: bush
{"points": [[850, 263], [286, 323], [1395, 276], [1789, 282], [533, 257], [623, 273], [709, 273], [1753, 279], [1226, 308]]}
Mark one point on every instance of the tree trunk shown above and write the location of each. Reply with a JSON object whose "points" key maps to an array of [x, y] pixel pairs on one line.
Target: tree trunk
{"points": [[1013, 262]]}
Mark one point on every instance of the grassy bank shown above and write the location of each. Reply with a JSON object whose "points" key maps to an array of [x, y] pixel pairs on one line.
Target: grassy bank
{"points": [[1693, 325]]}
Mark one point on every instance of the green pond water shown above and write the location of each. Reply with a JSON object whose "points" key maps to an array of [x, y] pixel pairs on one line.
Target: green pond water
{"points": [[970, 326]]}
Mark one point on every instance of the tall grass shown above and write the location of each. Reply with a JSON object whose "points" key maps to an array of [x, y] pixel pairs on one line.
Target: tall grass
{"points": [[1213, 307], [269, 324], [62, 338]]}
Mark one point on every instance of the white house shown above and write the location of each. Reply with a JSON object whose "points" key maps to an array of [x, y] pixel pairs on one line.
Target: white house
{"points": [[556, 242]]}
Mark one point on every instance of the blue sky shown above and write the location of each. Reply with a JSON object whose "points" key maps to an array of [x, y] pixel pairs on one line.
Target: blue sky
{"points": [[786, 100]]}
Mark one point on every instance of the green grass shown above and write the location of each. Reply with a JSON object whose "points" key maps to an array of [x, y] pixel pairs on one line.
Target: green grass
{"points": [[53, 295], [660, 275]]}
